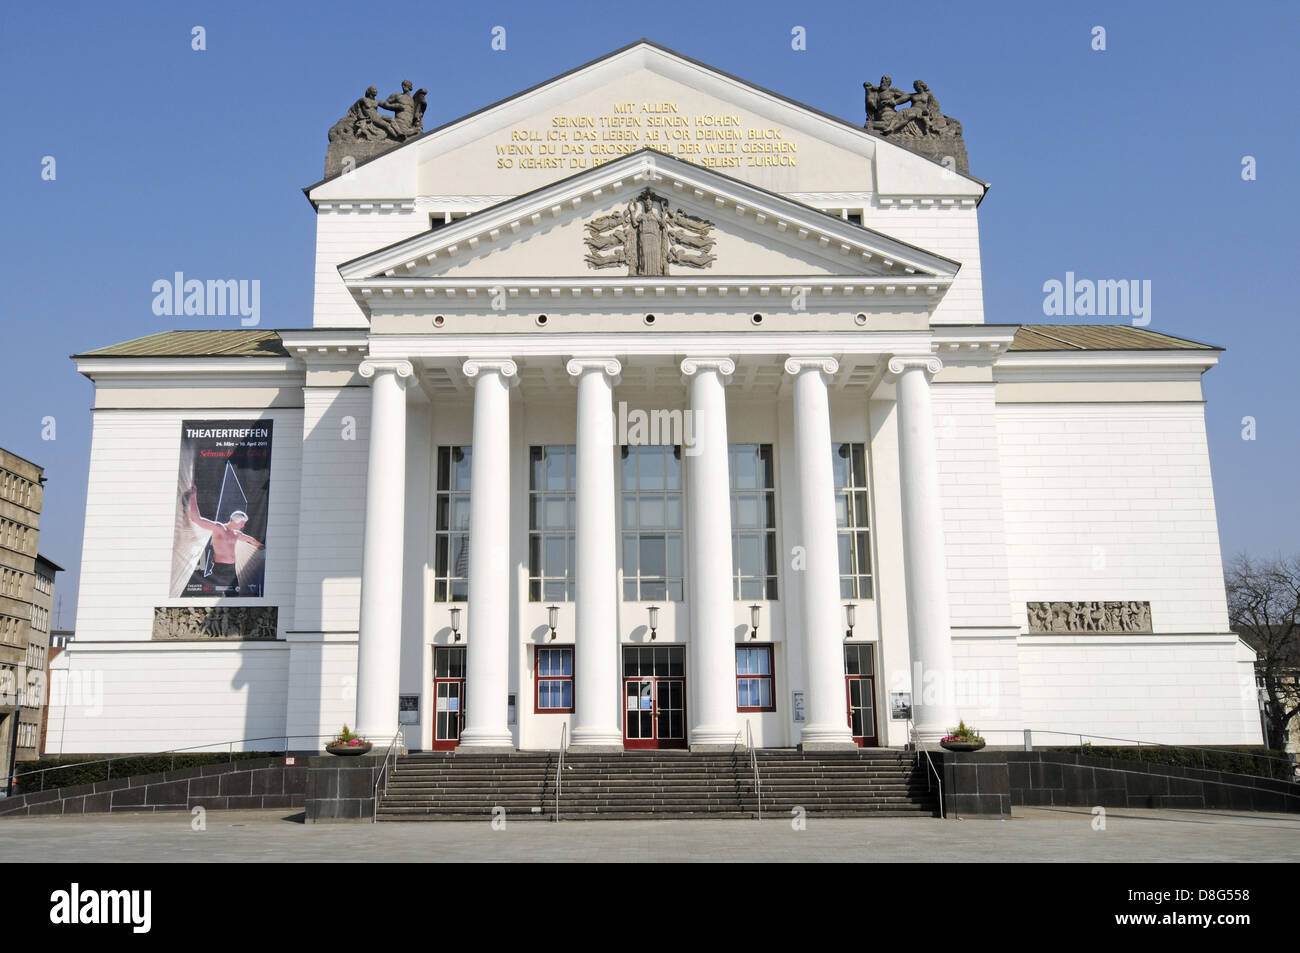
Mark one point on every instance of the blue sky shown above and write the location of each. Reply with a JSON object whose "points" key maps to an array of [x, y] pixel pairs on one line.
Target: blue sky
{"points": [[1117, 164]]}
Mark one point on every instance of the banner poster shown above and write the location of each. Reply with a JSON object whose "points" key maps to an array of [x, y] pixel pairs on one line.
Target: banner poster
{"points": [[222, 491]]}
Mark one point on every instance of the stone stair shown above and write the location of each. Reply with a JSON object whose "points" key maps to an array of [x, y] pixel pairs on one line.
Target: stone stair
{"points": [[655, 784]]}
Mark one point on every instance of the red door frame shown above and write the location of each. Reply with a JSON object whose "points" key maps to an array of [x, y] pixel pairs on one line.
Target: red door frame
{"points": [[655, 743], [447, 744]]}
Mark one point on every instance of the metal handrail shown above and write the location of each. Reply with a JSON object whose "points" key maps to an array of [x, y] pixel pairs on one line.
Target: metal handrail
{"points": [[198, 749], [559, 768], [753, 763], [920, 750], [381, 779], [1286, 762]]}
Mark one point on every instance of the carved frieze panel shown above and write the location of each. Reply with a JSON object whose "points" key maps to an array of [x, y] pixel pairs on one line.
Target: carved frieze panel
{"points": [[1089, 616], [646, 237], [206, 623]]}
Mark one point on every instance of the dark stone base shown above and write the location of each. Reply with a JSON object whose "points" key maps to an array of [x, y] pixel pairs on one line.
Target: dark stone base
{"points": [[265, 783], [948, 152], [988, 783], [341, 789], [336, 159], [975, 783]]}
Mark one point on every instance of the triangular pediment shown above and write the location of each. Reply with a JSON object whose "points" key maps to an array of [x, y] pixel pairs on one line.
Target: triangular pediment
{"points": [[714, 228], [644, 96]]}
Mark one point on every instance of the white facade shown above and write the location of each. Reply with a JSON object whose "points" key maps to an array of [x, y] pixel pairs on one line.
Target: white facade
{"points": [[1002, 467]]}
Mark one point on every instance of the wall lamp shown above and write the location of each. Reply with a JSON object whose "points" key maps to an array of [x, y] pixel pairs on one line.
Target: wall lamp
{"points": [[455, 623], [753, 620], [654, 622], [552, 616], [850, 613]]}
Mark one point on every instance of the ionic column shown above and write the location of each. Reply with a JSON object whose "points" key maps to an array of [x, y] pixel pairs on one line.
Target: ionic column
{"points": [[380, 637], [708, 505], [827, 726], [924, 560], [487, 639], [596, 716]]}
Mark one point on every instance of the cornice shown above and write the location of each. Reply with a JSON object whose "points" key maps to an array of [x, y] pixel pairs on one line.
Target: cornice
{"points": [[1173, 364], [403, 295]]}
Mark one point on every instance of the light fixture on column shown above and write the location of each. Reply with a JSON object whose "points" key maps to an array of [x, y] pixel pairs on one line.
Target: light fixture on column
{"points": [[654, 621], [850, 613], [753, 620], [552, 616], [455, 623]]}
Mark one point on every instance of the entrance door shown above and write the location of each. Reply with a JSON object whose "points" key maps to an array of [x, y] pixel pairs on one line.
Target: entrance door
{"points": [[859, 669], [448, 696], [654, 696]]}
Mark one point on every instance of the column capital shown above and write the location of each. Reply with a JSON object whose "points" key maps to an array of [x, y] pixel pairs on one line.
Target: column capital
{"points": [[372, 366], [720, 363], [901, 362], [610, 366], [827, 365], [504, 366]]}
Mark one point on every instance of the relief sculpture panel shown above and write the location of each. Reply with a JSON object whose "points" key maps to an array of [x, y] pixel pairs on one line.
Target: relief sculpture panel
{"points": [[1089, 616]]}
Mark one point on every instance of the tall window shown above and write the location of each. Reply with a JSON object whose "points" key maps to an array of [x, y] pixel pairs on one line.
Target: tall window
{"points": [[754, 689], [753, 521], [652, 523], [554, 679], [451, 526], [852, 505], [551, 483]]}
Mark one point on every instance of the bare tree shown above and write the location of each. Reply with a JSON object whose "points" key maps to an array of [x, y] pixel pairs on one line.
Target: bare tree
{"points": [[1264, 608]]}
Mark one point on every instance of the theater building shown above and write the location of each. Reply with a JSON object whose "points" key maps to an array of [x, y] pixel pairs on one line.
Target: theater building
{"points": [[648, 408]]}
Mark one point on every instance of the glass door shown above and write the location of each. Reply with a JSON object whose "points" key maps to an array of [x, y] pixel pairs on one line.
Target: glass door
{"points": [[859, 675], [448, 696], [654, 696]]}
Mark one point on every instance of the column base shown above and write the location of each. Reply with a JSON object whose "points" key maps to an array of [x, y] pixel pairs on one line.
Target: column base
{"points": [[828, 746], [486, 742], [710, 738], [826, 738], [596, 739]]}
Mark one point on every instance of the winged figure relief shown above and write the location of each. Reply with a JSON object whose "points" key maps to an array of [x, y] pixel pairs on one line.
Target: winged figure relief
{"points": [[647, 237]]}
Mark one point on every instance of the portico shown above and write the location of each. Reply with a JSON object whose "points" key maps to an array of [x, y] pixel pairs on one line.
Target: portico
{"points": [[502, 627]]}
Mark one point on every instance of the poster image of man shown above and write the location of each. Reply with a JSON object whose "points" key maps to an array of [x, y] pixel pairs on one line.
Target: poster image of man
{"points": [[223, 487]]}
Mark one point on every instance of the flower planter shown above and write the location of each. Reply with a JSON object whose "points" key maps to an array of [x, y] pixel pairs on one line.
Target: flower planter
{"points": [[961, 745], [349, 751]]}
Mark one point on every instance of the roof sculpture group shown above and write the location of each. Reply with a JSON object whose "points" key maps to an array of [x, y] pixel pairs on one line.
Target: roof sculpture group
{"points": [[365, 132], [921, 126]]}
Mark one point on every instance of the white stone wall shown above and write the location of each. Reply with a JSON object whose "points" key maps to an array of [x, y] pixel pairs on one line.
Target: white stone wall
{"points": [[948, 230], [970, 481], [342, 236], [321, 693], [1175, 689], [1112, 501], [333, 511], [110, 699]]}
